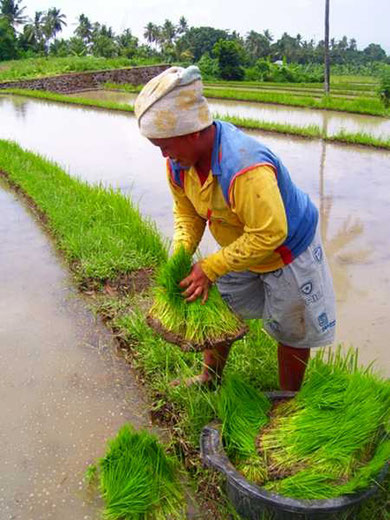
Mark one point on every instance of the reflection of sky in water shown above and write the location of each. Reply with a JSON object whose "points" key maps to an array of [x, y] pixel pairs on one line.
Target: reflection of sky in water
{"points": [[355, 195], [332, 121]]}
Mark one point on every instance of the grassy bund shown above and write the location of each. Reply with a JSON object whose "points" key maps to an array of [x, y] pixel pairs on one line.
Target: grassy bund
{"points": [[299, 97], [34, 68], [355, 106], [105, 240], [308, 131]]}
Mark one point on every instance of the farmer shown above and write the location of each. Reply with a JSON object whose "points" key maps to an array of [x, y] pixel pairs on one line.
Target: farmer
{"points": [[271, 264]]}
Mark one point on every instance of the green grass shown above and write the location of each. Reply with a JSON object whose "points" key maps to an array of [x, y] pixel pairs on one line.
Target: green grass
{"points": [[138, 480], [346, 84], [43, 67], [99, 230], [312, 131], [62, 98], [195, 322], [358, 106], [360, 138], [296, 90]]}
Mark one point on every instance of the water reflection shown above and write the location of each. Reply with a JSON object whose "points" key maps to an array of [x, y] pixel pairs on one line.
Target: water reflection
{"points": [[333, 120]]}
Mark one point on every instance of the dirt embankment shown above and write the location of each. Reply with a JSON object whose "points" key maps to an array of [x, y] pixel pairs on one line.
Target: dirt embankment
{"points": [[77, 82]]}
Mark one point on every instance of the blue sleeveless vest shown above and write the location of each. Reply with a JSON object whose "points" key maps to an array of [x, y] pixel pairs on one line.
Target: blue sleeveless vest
{"points": [[235, 153]]}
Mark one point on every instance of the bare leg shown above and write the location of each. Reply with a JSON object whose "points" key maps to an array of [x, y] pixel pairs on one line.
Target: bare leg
{"points": [[292, 365], [214, 361]]}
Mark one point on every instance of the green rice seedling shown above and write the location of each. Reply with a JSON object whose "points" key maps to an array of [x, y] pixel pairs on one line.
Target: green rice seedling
{"points": [[332, 435], [196, 323], [138, 481], [91, 473], [243, 411], [307, 484]]}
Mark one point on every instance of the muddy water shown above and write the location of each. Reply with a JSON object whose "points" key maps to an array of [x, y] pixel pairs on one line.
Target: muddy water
{"points": [[350, 185], [62, 390], [331, 121]]}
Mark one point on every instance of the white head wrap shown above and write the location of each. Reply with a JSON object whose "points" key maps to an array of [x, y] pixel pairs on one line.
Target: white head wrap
{"points": [[172, 104]]}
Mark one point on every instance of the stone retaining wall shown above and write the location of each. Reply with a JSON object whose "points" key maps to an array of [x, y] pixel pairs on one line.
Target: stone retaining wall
{"points": [[77, 82]]}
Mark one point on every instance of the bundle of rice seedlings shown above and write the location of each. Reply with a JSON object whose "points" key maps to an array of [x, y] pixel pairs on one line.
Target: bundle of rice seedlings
{"points": [[138, 480], [192, 326], [334, 440], [243, 411], [331, 439]]}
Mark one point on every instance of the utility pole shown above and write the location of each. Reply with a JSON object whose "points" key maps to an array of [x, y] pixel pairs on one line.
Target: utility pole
{"points": [[327, 65]]}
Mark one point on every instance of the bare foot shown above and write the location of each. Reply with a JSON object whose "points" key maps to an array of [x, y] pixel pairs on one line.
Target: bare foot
{"points": [[203, 379]]}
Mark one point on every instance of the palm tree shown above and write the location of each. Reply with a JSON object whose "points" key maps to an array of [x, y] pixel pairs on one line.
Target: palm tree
{"points": [[34, 31], [327, 63], [168, 32], [54, 20], [182, 28], [13, 12], [150, 32], [268, 35], [84, 29]]}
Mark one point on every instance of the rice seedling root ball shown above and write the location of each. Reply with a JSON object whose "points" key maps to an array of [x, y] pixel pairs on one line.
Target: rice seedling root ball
{"points": [[192, 326]]}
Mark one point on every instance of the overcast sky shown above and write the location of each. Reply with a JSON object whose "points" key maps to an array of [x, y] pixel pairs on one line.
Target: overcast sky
{"points": [[368, 21]]}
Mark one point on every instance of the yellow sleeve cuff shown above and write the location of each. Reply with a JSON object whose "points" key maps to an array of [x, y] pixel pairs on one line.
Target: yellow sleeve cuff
{"points": [[215, 265]]}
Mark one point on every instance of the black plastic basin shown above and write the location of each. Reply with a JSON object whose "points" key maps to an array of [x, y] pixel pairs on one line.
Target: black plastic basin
{"points": [[253, 502]]}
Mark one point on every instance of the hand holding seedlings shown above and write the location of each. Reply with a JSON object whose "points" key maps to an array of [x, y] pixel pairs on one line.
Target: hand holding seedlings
{"points": [[196, 283]]}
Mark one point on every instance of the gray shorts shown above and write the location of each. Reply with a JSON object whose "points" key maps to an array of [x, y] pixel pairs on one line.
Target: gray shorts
{"points": [[296, 303]]}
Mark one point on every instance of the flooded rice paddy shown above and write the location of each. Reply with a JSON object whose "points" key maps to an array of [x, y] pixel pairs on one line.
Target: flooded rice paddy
{"points": [[63, 390], [328, 120], [350, 185]]}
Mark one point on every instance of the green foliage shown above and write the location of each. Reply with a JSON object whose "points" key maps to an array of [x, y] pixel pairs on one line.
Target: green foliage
{"points": [[230, 58], [201, 40], [138, 480], [12, 11], [358, 105], [43, 67], [99, 230], [264, 70], [8, 42], [195, 322], [384, 88], [208, 67]]}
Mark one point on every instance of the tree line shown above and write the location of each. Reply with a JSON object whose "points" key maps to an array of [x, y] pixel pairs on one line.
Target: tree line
{"points": [[220, 53]]}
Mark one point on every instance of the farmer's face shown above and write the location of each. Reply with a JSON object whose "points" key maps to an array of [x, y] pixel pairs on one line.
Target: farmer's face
{"points": [[182, 149]]}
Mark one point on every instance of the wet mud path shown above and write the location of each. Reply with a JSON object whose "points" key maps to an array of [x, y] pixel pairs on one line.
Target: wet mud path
{"points": [[63, 390]]}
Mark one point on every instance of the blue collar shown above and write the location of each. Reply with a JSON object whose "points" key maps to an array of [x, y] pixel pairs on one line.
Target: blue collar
{"points": [[215, 164]]}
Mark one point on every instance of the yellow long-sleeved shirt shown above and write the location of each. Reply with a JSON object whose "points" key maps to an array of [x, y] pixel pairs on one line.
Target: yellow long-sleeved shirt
{"points": [[248, 231]]}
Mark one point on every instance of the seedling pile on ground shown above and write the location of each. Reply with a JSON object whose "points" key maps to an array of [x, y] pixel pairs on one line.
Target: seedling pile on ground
{"points": [[328, 441], [194, 322], [137, 479]]}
